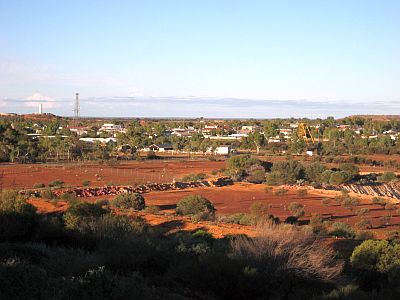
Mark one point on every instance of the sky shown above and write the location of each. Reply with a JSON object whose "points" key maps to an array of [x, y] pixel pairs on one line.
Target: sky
{"points": [[187, 58]]}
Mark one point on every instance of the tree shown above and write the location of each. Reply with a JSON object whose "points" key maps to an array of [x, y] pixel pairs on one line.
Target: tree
{"points": [[314, 171], [285, 172]]}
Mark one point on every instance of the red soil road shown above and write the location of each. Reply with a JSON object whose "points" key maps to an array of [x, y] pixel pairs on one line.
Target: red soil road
{"points": [[127, 173]]}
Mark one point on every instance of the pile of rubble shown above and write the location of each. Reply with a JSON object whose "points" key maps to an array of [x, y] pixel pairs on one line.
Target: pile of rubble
{"points": [[142, 188], [374, 189]]}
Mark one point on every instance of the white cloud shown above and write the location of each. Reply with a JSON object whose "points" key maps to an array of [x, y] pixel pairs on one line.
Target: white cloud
{"points": [[36, 98]]}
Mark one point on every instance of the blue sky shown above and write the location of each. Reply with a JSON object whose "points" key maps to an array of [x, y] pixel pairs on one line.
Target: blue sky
{"points": [[201, 58]]}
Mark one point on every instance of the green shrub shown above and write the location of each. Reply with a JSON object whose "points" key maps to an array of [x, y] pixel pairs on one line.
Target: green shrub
{"points": [[268, 189], [194, 177], [151, 155], [152, 209], [47, 194], [296, 209], [340, 229], [258, 209], [86, 182], [193, 205], [16, 215], [129, 201], [39, 185], [364, 235], [317, 225], [363, 224], [349, 168], [387, 177], [69, 197], [79, 216], [339, 177], [256, 176], [281, 192], [375, 262], [379, 201]]}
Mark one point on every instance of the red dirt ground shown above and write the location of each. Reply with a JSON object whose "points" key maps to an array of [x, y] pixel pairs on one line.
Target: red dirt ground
{"points": [[127, 173]]}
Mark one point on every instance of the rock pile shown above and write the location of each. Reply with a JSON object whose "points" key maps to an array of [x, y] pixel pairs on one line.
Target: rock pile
{"points": [[142, 188], [373, 189]]}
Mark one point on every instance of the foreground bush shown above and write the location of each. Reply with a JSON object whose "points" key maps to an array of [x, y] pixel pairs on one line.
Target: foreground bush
{"points": [[129, 200], [194, 204], [79, 215], [16, 216]]}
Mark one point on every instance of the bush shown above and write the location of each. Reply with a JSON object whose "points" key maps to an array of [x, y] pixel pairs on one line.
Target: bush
{"points": [[129, 201], [362, 212], [70, 198], [47, 194], [258, 209], [302, 192], [374, 262], [387, 177], [79, 216], [256, 176], [349, 168], [379, 201], [57, 184], [340, 229], [86, 182], [152, 209], [194, 177], [339, 177], [317, 225], [39, 185], [240, 218], [281, 192], [193, 205], [364, 235], [296, 209], [363, 224], [16, 215]]}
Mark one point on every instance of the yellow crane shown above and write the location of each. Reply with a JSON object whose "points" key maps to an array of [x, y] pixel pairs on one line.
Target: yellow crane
{"points": [[304, 132]]}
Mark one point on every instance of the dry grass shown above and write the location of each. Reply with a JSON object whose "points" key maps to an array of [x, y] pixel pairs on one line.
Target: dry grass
{"points": [[285, 249]]}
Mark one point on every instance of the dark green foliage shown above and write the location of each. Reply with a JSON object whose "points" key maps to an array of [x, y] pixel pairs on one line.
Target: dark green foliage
{"points": [[79, 215], [349, 168], [256, 176], [193, 205], [16, 216], [314, 171], [377, 263], [194, 177], [285, 172], [129, 200]]}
